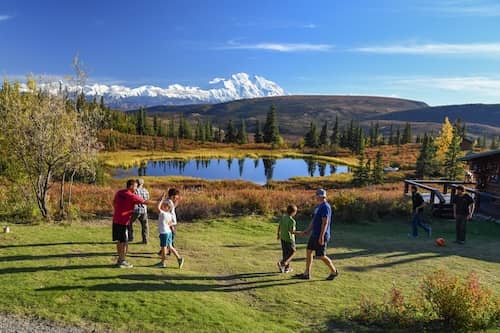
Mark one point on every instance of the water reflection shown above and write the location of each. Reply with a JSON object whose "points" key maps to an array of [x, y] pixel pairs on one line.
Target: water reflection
{"points": [[243, 168]]}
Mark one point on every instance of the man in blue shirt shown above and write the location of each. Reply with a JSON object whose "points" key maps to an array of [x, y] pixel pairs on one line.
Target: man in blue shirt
{"points": [[320, 235]]}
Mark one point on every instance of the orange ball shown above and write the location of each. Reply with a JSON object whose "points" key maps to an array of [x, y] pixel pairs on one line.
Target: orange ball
{"points": [[440, 242]]}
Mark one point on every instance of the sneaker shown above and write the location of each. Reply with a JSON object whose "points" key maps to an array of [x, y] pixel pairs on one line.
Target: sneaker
{"points": [[429, 232], [180, 262], [280, 267], [125, 264], [162, 264], [288, 269], [302, 276], [333, 275]]}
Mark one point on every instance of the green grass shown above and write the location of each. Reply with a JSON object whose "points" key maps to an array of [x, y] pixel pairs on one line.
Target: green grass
{"points": [[229, 282]]}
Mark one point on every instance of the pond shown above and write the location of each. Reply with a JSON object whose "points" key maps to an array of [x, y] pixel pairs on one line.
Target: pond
{"points": [[255, 170]]}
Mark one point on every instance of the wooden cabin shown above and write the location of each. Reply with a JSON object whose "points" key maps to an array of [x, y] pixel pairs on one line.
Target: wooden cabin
{"points": [[467, 143], [486, 169]]}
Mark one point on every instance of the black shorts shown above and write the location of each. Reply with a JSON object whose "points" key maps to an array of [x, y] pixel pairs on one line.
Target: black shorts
{"points": [[288, 248], [313, 244], [120, 233]]}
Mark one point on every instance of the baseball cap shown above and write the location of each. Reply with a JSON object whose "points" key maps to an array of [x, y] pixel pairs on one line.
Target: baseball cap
{"points": [[140, 181], [321, 193]]}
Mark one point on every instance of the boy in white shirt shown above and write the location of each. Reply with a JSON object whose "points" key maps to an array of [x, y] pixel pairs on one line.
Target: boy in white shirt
{"points": [[165, 220]]}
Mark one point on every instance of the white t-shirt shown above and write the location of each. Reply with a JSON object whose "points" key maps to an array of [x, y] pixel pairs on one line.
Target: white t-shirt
{"points": [[174, 217], [164, 220]]}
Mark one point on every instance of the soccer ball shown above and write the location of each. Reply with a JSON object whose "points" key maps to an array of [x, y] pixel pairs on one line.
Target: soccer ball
{"points": [[440, 242]]}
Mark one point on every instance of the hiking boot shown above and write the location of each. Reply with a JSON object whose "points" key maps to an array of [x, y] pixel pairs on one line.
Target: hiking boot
{"points": [[280, 267], [125, 264], [180, 262], [302, 276], [333, 275]]}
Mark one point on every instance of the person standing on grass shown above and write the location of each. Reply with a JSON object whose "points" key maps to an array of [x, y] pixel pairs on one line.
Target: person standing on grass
{"points": [[165, 220], [123, 205], [173, 200], [417, 218], [463, 208], [286, 233], [320, 235], [140, 213]]}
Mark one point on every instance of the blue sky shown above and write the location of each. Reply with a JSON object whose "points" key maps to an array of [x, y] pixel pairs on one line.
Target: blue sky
{"points": [[439, 52]]}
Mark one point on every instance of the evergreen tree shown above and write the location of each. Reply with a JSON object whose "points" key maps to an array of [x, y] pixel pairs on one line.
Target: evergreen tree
{"points": [[334, 139], [258, 137], [171, 128], [141, 122], [361, 175], [376, 134], [242, 133], [323, 137], [156, 128], [230, 135], [406, 134], [452, 166], [271, 129], [391, 135], [176, 145], [397, 139], [427, 164], [483, 142], [378, 169], [311, 138]]}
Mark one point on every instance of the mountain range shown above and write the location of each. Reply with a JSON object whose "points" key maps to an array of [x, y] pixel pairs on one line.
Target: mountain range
{"points": [[237, 86]]}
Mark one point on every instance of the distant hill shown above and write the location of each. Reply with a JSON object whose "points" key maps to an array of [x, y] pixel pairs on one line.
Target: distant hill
{"points": [[294, 112], [485, 114]]}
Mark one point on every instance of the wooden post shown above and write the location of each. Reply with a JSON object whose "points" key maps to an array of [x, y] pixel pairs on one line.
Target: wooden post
{"points": [[445, 188]]}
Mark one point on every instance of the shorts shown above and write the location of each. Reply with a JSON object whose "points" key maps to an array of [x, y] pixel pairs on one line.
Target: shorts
{"points": [[288, 248], [120, 233], [166, 240], [313, 245]]}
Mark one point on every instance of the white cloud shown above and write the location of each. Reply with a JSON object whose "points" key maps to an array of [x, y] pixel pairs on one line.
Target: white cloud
{"points": [[310, 26], [484, 49], [5, 17], [281, 47], [468, 84]]}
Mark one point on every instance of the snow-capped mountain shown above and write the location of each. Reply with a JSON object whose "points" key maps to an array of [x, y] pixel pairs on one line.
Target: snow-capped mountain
{"points": [[238, 86]]}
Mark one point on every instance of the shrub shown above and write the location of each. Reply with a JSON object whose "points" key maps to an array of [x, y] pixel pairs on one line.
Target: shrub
{"points": [[461, 304], [444, 302]]}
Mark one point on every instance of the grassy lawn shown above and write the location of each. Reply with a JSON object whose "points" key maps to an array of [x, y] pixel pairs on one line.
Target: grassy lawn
{"points": [[229, 282]]}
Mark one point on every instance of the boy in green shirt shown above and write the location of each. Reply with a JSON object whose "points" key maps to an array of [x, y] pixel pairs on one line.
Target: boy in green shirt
{"points": [[286, 233]]}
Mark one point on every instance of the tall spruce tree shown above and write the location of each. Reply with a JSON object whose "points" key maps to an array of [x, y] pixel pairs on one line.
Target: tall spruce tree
{"points": [[334, 138], [242, 133], [271, 129], [323, 136], [378, 169], [427, 164], [311, 138], [258, 136], [230, 135], [361, 175], [452, 166], [406, 134]]}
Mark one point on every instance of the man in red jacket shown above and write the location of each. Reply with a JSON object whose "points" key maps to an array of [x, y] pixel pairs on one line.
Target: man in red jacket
{"points": [[123, 205]]}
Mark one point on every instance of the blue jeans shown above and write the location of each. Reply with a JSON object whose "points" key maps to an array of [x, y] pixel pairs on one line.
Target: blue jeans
{"points": [[417, 221]]}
